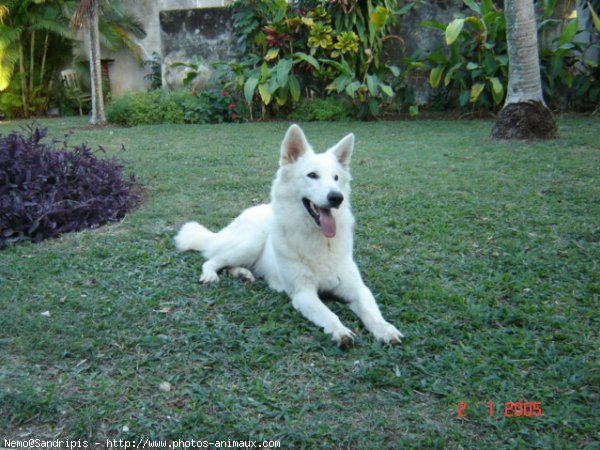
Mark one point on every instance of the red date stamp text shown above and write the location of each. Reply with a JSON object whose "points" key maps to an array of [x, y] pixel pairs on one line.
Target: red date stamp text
{"points": [[509, 409]]}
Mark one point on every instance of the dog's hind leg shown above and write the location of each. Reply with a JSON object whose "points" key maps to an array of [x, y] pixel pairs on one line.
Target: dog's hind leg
{"points": [[235, 254], [242, 273], [211, 268], [194, 236], [229, 250], [237, 246], [229, 259]]}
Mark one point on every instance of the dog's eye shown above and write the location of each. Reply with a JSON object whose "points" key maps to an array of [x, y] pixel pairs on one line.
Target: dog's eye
{"points": [[336, 178], [313, 175]]}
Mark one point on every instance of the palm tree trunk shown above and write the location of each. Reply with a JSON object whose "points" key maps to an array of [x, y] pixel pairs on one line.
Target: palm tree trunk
{"points": [[44, 55], [525, 114], [98, 117], [31, 61], [23, 80]]}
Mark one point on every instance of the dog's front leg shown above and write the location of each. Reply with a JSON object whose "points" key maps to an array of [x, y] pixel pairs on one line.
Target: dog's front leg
{"points": [[363, 304], [311, 307]]}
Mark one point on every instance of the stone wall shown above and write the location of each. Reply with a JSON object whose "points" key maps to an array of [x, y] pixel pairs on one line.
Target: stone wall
{"points": [[205, 35], [127, 74]]}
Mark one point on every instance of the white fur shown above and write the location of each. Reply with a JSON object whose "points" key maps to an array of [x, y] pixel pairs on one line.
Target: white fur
{"points": [[282, 243]]}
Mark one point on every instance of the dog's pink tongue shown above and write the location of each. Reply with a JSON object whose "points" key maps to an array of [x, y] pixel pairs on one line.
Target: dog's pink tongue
{"points": [[327, 223]]}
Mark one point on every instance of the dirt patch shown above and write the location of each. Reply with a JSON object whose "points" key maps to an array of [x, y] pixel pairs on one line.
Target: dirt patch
{"points": [[527, 121]]}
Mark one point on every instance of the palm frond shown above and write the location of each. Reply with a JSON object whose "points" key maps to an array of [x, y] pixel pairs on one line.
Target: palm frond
{"points": [[109, 39], [131, 44], [8, 60], [83, 11], [3, 12], [130, 23], [53, 27], [50, 17], [9, 35]]}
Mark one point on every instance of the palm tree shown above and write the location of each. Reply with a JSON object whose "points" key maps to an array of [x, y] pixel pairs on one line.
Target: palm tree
{"points": [[87, 16], [524, 114], [29, 33], [20, 22]]}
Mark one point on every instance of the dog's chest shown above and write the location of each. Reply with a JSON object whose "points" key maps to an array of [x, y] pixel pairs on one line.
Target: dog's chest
{"points": [[304, 256], [325, 259]]}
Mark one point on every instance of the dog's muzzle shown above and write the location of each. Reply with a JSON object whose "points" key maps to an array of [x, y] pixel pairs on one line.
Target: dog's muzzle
{"points": [[322, 215]]}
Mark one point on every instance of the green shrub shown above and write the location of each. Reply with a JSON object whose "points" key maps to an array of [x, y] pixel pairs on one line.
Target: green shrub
{"points": [[10, 104], [119, 110], [474, 63], [317, 109], [570, 78], [155, 107], [182, 106]]}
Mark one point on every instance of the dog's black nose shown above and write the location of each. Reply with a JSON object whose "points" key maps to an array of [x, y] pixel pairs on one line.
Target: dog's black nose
{"points": [[335, 199]]}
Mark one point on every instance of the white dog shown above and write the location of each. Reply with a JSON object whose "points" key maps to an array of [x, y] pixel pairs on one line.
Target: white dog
{"points": [[301, 242]]}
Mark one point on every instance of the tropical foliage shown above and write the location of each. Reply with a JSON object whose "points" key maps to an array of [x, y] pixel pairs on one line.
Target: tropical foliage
{"points": [[36, 40], [476, 63], [317, 48], [87, 16], [471, 65], [28, 28], [570, 77], [294, 52]]}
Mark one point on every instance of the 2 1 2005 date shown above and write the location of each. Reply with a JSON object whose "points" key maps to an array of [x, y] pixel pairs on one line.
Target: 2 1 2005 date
{"points": [[511, 409]]}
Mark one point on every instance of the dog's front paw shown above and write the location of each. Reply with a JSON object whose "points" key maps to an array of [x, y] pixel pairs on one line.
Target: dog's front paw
{"points": [[344, 338], [209, 276], [387, 333], [209, 272]]}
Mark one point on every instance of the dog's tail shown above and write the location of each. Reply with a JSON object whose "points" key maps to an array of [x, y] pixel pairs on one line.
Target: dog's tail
{"points": [[193, 236]]}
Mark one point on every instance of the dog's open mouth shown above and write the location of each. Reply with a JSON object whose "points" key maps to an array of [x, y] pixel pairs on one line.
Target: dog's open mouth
{"points": [[322, 217]]}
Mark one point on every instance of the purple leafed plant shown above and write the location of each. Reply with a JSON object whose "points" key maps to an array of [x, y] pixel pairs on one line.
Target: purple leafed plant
{"points": [[46, 191]]}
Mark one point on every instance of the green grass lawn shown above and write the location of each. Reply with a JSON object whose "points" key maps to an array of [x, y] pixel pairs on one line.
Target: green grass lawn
{"points": [[484, 254]]}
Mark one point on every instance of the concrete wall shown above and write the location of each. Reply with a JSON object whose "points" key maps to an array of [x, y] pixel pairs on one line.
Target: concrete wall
{"points": [[201, 35], [127, 74]]}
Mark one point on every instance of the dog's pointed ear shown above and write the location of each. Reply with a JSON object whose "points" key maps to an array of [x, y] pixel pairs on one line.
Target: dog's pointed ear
{"points": [[294, 145], [343, 150]]}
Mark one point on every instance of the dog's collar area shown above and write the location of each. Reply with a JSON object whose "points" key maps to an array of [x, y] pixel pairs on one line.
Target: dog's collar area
{"points": [[322, 217]]}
